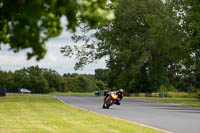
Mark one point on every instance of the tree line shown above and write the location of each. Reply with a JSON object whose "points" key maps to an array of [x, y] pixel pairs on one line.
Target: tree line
{"points": [[43, 80]]}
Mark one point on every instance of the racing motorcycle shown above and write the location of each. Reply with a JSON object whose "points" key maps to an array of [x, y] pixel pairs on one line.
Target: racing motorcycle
{"points": [[110, 100]]}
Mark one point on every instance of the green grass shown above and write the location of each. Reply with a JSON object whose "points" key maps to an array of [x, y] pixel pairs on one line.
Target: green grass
{"points": [[180, 95], [180, 101], [38, 114], [171, 95]]}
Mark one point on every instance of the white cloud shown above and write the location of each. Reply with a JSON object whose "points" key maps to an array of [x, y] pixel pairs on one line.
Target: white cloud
{"points": [[53, 59]]}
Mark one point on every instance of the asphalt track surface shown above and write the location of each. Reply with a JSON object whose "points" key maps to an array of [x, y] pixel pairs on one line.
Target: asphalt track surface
{"points": [[168, 117]]}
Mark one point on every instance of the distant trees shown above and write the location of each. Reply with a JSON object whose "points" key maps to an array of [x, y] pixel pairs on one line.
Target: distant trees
{"points": [[79, 83], [5, 78], [42, 80], [55, 81]]}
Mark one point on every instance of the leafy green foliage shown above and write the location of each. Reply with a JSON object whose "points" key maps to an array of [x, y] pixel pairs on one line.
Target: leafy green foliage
{"points": [[101, 85], [80, 84], [102, 75], [42, 80], [151, 45], [141, 44], [29, 24], [189, 17], [31, 78]]}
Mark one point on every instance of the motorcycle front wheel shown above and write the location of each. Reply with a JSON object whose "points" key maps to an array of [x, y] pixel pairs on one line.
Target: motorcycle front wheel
{"points": [[107, 103]]}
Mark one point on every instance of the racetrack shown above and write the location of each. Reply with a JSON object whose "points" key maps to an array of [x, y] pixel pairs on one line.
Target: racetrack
{"points": [[169, 117]]}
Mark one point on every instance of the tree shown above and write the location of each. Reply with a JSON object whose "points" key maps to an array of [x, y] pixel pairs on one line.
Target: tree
{"points": [[102, 75], [54, 80], [6, 80], [101, 85], [80, 83], [189, 19], [21, 79], [31, 78], [29, 24], [141, 43]]}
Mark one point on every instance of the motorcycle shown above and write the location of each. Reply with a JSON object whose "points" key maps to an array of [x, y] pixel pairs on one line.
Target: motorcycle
{"points": [[110, 100]]}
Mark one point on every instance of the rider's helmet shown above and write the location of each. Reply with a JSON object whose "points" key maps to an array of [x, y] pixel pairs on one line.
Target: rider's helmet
{"points": [[121, 91]]}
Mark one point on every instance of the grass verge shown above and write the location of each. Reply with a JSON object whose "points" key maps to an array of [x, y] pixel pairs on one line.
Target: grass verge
{"points": [[180, 95], [169, 95], [193, 102], [30, 114]]}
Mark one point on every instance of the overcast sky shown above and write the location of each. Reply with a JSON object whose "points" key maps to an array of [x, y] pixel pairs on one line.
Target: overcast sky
{"points": [[53, 59]]}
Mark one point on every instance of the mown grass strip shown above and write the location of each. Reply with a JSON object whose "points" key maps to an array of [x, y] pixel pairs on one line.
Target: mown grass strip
{"points": [[38, 114], [168, 95], [193, 102]]}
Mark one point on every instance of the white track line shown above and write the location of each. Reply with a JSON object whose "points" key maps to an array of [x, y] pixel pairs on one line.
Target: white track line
{"points": [[115, 117]]}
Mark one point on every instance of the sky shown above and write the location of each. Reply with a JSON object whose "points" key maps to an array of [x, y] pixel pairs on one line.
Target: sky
{"points": [[10, 61]]}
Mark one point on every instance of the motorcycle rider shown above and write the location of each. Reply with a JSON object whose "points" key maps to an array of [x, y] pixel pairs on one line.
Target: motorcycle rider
{"points": [[119, 93]]}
